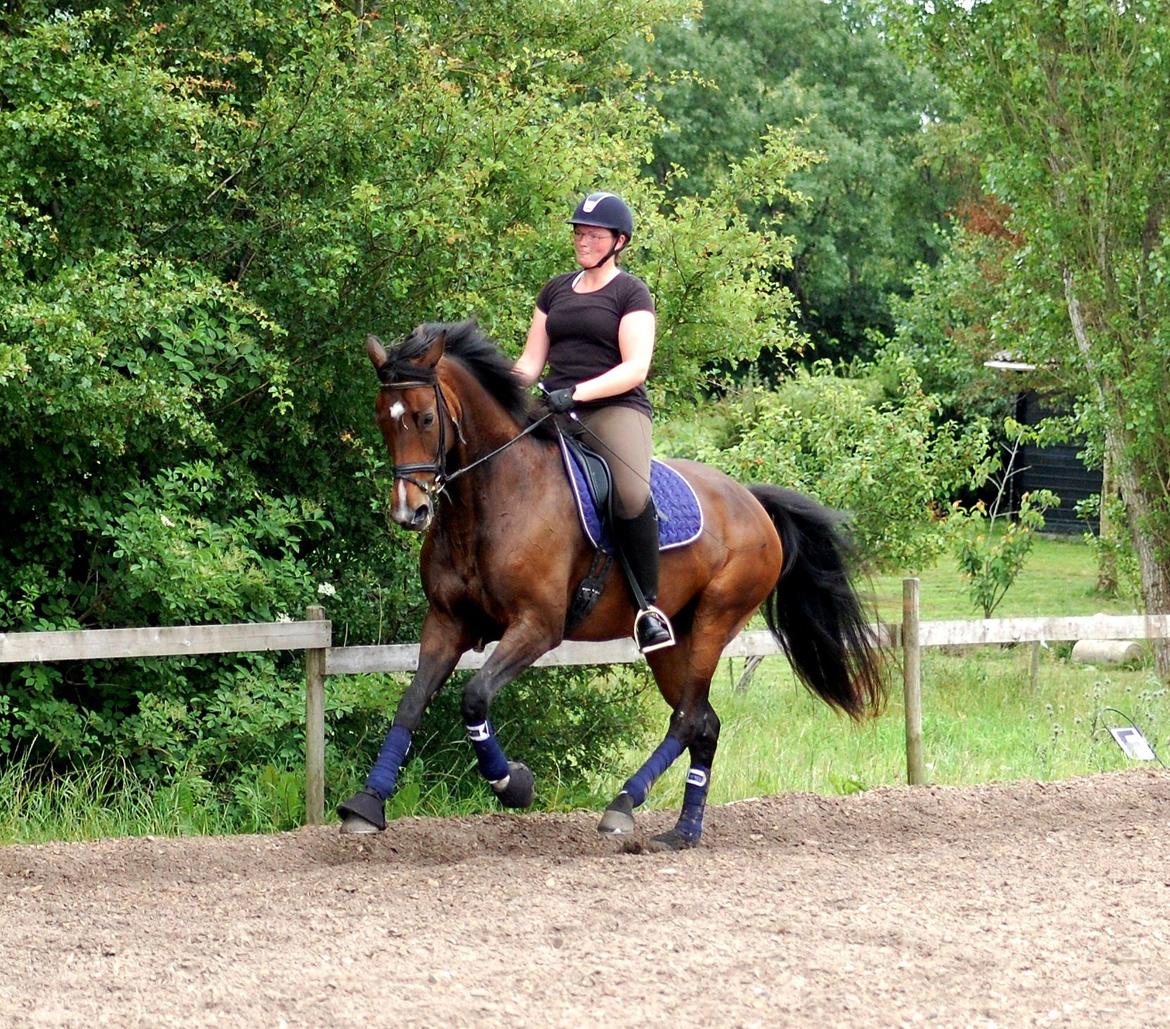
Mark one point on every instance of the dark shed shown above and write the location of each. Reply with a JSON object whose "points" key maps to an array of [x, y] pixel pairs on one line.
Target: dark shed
{"points": [[1058, 468]]}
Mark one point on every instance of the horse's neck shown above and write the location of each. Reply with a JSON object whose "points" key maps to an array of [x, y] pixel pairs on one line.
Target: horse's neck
{"points": [[485, 424], [486, 427]]}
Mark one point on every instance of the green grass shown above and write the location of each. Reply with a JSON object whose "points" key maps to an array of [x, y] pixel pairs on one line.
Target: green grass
{"points": [[982, 721], [106, 799], [982, 718], [1058, 578]]}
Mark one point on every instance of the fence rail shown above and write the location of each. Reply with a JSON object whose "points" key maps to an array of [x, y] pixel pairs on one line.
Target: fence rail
{"points": [[314, 637], [168, 641]]}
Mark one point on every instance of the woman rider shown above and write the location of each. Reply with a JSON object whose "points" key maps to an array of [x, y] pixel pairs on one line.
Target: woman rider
{"points": [[594, 328]]}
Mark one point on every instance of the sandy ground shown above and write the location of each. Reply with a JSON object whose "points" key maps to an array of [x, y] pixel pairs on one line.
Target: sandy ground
{"points": [[1014, 904]]}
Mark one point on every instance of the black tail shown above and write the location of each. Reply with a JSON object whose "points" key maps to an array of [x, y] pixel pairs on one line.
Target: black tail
{"points": [[814, 612]]}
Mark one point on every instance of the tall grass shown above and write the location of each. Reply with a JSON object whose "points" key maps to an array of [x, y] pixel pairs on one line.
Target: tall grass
{"points": [[106, 799], [982, 721]]}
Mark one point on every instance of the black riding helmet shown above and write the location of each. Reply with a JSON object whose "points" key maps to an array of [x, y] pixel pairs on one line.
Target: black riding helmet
{"points": [[604, 211]]}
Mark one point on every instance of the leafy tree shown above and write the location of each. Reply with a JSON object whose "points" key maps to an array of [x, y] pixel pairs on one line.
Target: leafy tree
{"points": [[870, 208], [1067, 102], [993, 543], [946, 326]]}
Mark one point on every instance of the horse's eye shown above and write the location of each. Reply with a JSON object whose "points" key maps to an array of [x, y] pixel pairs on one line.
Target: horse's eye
{"points": [[428, 419]]}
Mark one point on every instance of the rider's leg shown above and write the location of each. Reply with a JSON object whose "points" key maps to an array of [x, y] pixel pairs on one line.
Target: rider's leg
{"points": [[638, 538], [622, 435]]}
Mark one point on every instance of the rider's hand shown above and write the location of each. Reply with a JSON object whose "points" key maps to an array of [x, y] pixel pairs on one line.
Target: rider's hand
{"points": [[560, 401]]}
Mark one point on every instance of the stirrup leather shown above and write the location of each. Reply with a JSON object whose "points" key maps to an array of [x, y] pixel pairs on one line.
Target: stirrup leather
{"points": [[647, 611]]}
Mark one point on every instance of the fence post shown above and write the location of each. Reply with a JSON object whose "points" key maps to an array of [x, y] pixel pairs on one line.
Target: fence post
{"points": [[314, 727], [912, 683]]}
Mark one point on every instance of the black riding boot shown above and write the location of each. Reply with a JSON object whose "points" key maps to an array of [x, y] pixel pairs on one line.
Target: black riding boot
{"points": [[637, 538]]}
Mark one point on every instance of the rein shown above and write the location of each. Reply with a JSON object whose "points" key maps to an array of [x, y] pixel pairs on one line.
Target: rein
{"points": [[499, 450], [442, 480]]}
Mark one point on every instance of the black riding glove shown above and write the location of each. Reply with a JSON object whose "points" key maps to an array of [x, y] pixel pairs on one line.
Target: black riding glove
{"points": [[560, 401]]}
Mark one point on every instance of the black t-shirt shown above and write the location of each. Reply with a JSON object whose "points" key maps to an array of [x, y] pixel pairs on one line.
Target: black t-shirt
{"points": [[583, 332]]}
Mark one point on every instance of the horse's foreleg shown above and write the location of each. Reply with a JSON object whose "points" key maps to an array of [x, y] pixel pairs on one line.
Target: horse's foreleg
{"points": [[439, 653], [517, 649]]}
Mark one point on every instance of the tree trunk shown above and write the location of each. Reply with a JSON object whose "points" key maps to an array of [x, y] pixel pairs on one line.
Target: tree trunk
{"points": [[1107, 530], [1139, 508], [1140, 504]]}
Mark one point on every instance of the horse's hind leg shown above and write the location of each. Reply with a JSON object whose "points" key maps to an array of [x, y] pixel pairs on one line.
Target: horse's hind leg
{"points": [[694, 726], [689, 828]]}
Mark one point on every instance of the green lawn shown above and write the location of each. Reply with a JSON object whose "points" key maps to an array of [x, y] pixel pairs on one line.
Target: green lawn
{"points": [[1059, 578], [983, 719]]}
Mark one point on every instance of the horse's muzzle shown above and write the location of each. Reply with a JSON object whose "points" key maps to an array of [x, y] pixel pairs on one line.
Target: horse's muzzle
{"points": [[412, 512], [418, 520]]}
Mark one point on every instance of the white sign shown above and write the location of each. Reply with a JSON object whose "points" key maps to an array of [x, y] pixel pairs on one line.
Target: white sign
{"points": [[1135, 745]]}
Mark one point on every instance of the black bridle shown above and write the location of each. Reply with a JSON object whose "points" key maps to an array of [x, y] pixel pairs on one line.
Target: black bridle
{"points": [[406, 472], [434, 489]]}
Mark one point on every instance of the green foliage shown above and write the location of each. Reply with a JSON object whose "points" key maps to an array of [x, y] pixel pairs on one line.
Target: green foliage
{"points": [[869, 209], [946, 327], [711, 272], [869, 447], [1067, 112], [204, 209]]}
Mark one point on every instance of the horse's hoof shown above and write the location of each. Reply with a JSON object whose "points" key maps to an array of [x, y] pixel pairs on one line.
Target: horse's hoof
{"points": [[670, 841], [364, 812], [355, 825], [521, 788], [618, 819]]}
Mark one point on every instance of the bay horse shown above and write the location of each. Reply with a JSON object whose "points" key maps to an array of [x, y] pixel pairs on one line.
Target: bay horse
{"points": [[481, 474]]}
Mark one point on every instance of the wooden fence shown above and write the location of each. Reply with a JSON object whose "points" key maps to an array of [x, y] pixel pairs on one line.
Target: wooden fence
{"points": [[314, 637]]}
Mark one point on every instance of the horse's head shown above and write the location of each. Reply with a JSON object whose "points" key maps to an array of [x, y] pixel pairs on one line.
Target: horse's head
{"points": [[418, 419]]}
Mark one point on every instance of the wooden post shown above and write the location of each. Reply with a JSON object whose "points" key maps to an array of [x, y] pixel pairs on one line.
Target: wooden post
{"points": [[749, 669], [912, 683], [1034, 666], [315, 727]]}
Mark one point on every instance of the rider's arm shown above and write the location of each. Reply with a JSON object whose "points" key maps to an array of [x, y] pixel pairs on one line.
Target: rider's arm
{"points": [[531, 363]]}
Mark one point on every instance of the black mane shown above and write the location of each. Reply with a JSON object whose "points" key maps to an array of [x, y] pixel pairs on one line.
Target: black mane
{"points": [[475, 350]]}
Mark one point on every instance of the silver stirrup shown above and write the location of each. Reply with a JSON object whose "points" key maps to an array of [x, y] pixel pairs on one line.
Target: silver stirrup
{"points": [[649, 610]]}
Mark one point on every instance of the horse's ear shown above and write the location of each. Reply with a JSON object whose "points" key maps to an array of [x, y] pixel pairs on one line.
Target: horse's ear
{"points": [[434, 351], [376, 351]]}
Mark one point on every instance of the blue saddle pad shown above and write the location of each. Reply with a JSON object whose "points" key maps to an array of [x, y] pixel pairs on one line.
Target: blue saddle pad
{"points": [[680, 518]]}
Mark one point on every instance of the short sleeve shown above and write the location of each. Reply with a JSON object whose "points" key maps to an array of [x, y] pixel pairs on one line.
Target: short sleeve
{"points": [[637, 296], [544, 299]]}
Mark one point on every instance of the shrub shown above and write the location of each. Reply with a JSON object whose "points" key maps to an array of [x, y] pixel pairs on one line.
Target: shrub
{"points": [[866, 446]]}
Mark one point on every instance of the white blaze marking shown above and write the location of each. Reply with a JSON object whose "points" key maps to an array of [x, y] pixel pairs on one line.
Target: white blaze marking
{"points": [[397, 410], [401, 512]]}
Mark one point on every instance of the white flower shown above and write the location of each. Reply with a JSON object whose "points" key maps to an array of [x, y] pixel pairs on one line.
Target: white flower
{"points": [[166, 521], [327, 589], [283, 617]]}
